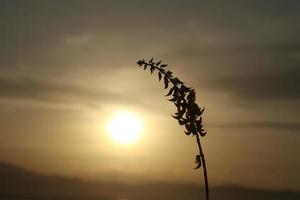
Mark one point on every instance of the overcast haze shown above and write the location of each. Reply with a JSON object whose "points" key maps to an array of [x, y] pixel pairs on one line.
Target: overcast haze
{"points": [[67, 66]]}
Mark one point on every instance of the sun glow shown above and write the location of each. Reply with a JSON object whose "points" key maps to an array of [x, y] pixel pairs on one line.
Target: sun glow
{"points": [[125, 128]]}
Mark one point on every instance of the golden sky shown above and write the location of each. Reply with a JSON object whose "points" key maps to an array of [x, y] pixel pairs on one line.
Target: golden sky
{"points": [[67, 67]]}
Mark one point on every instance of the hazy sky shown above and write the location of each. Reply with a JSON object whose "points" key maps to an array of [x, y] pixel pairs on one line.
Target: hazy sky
{"points": [[66, 67]]}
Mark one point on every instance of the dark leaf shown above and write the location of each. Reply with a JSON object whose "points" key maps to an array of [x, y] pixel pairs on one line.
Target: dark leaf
{"points": [[184, 89], [170, 92], [166, 82], [164, 65], [158, 63], [169, 73], [159, 76], [179, 102], [187, 127], [199, 125], [140, 63], [198, 161], [177, 81], [151, 60], [185, 120], [175, 96], [200, 119], [182, 105], [193, 128], [201, 111], [152, 68], [202, 132], [175, 116], [191, 96], [181, 122], [181, 112], [187, 132]]}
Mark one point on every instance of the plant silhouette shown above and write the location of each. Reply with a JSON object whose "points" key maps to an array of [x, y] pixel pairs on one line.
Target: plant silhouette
{"points": [[188, 114]]}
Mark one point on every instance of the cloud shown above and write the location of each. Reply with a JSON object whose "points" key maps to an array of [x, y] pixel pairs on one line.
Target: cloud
{"points": [[54, 92], [262, 85], [237, 49], [273, 125], [247, 50], [254, 72]]}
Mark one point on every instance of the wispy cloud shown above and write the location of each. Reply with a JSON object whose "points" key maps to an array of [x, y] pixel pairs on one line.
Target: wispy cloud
{"points": [[261, 84], [53, 92], [256, 72], [273, 125]]}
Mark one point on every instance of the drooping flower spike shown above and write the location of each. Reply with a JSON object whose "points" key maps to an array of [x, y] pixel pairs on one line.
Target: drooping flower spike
{"points": [[188, 114]]}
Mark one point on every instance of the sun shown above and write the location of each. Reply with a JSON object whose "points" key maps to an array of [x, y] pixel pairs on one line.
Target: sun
{"points": [[125, 127]]}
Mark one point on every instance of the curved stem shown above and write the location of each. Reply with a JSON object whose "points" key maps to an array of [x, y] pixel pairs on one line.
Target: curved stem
{"points": [[170, 79], [204, 168], [199, 146]]}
